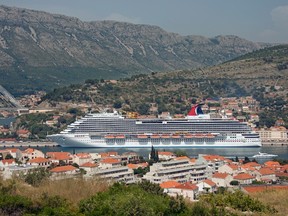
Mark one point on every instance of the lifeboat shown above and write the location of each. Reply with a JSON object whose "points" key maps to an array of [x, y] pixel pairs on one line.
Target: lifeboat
{"points": [[155, 136], [209, 135], [109, 136], [176, 136], [188, 136], [120, 136], [142, 136], [199, 136], [165, 136]]}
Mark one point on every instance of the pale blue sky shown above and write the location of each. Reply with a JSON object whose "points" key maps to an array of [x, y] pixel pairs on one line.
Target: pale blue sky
{"points": [[256, 20]]}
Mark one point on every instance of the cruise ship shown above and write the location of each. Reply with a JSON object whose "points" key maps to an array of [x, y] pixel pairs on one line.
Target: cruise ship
{"points": [[104, 130]]}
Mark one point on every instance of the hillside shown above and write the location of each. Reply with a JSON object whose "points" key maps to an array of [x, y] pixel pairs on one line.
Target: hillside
{"points": [[39, 50], [265, 79]]}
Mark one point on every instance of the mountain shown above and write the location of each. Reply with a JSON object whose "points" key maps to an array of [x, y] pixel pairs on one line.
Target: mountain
{"points": [[40, 50], [263, 74]]}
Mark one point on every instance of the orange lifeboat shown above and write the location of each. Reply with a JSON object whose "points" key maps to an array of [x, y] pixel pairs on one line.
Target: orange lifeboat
{"points": [[188, 136], [120, 136], [155, 136], [176, 136], [210, 136], [109, 136], [165, 136], [199, 136], [142, 136]]}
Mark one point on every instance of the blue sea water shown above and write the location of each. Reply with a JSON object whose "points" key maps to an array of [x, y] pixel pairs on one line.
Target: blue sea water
{"points": [[282, 152]]}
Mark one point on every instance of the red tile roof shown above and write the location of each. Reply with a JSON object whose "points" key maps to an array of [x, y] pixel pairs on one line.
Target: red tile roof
{"points": [[9, 161], [83, 155], [63, 169], [165, 153], [169, 184], [271, 163], [220, 175], [59, 155], [110, 161], [39, 160], [214, 157], [89, 164], [29, 150], [243, 176], [136, 166], [187, 186], [210, 182], [266, 171]]}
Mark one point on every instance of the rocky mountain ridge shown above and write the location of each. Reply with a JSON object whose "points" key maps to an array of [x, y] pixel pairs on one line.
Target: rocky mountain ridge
{"points": [[37, 46]]}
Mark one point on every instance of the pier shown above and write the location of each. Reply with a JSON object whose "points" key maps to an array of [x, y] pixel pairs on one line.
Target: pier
{"points": [[277, 143], [27, 144]]}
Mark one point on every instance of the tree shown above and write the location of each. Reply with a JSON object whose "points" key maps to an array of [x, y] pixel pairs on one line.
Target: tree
{"points": [[34, 177], [8, 156]]}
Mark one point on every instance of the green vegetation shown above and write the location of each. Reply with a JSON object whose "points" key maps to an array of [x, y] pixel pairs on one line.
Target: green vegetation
{"points": [[35, 123], [145, 198]]}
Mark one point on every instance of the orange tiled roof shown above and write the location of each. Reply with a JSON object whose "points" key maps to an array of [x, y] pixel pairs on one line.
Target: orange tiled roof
{"points": [[29, 150], [220, 175], [59, 155], [210, 182], [233, 166], [39, 160], [253, 164], [136, 166], [165, 153], [271, 163], [63, 169], [89, 164], [243, 176], [169, 184], [13, 150], [108, 154], [83, 155], [187, 186], [9, 161], [213, 157], [110, 160], [266, 171], [22, 131]]}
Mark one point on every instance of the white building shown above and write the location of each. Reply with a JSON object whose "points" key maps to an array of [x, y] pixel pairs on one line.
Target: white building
{"points": [[182, 170]]}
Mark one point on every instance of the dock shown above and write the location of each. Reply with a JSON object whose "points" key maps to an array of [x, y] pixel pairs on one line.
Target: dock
{"points": [[27, 144], [277, 143]]}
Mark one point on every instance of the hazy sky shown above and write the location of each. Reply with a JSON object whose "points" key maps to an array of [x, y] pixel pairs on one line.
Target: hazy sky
{"points": [[256, 20]]}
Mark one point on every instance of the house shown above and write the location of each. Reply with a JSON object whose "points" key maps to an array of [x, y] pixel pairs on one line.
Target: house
{"points": [[56, 157], [265, 174], [31, 153], [89, 167], [231, 169], [81, 158], [207, 186], [109, 163], [244, 178], [222, 179], [179, 169], [164, 155], [23, 133], [39, 162], [187, 190], [63, 171], [6, 163]]}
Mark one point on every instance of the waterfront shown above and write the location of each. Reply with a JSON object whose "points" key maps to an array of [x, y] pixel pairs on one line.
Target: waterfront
{"points": [[282, 151]]}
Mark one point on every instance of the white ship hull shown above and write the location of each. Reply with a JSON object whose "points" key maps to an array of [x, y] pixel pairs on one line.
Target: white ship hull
{"points": [[69, 140]]}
